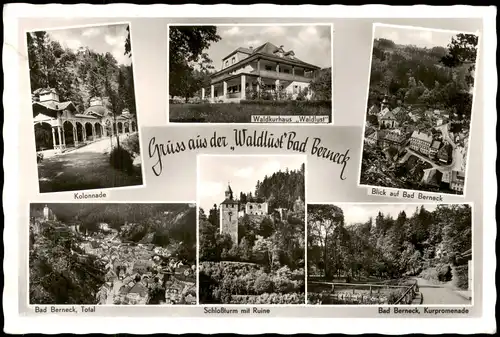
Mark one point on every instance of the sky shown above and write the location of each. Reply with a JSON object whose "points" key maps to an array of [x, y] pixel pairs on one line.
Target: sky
{"points": [[360, 213], [415, 36], [311, 44], [101, 39], [241, 172]]}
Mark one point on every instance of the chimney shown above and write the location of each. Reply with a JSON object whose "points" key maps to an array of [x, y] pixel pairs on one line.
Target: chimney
{"points": [[251, 48]]}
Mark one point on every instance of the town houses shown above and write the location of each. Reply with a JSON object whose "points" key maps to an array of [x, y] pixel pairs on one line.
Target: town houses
{"points": [[399, 134], [267, 68]]}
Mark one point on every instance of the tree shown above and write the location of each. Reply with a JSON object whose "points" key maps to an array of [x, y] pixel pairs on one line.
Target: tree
{"points": [[187, 45], [321, 85], [128, 45]]}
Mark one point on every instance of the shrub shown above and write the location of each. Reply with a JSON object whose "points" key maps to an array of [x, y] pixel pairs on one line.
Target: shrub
{"points": [[461, 277], [121, 159], [131, 144], [263, 284], [444, 273]]}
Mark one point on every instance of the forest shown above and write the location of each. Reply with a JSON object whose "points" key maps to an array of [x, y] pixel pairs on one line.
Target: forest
{"points": [[438, 77], [281, 189], [425, 243], [80, 75], [267, 264], [159, 224], [58, 275]]}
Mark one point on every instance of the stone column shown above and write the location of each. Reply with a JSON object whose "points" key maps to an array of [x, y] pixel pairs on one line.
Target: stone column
{"points": [[243, 87], [212, 92], [59, 137], [53, 138], [202, 93], [63, 137], [75, 136], [293, 72], [225, 89], [258, 67], [93, 131]]}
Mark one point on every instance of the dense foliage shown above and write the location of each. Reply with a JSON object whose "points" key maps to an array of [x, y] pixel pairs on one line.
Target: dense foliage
{"points": [[189, 64], [56, 275], [160, 224], [80, 75], [269, 257], [436, 77], [236, 282], [385, 247]]}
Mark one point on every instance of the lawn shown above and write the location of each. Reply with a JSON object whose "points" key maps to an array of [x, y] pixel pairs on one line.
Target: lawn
{"points": [[82, 171], [242, 112]]}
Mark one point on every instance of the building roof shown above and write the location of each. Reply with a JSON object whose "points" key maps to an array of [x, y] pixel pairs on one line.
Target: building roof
{"points": [[51, 107], [436, 144], [267, 49], [422, 136], [432, 176], [369, 131], [43, 91], [389, 116], [230, 202], [395, 135], [457, 176], [397, 110], [374, 110]]}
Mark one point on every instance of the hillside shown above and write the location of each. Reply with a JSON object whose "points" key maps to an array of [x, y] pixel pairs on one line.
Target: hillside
{"points": [[58, 276], [79, 75], [280, 190], [68, 265], [437, 77]]}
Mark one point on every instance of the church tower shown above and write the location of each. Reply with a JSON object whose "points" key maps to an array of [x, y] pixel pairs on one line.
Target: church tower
{"points": [[229, 216], [384, 104]]}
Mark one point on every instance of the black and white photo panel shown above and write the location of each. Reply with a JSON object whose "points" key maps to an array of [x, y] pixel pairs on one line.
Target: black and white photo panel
{"points": [[85, 124], [112, 254], [389, 254], [419, 109], [251, 73], [251, 229]]}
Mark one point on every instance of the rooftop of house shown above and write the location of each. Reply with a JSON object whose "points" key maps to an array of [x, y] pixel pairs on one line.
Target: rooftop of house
{"points": [[389, 116], [457, 176], [432, 176], [436, 144], [422, 136], [272, 51]]}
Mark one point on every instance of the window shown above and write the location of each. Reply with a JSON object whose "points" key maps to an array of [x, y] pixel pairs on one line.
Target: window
{"points": [[227, 63], [233, 60], [269, 68], [286, 71]]}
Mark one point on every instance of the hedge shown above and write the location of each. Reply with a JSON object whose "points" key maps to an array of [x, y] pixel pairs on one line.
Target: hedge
{"points": [[294, 102]]}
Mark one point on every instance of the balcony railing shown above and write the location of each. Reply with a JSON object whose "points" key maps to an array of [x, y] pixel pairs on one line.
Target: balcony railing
{"points": [[268, 74], [282, 76]]}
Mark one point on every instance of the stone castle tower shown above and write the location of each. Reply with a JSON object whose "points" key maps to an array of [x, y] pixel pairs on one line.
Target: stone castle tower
{"points": [[46, 212], [229, 215]]}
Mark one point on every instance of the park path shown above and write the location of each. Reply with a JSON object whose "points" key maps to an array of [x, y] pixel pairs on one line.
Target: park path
{"points": [[437, 294], [100, 146]]}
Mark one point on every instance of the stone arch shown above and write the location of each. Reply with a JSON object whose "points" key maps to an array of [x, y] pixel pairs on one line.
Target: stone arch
{"points": [[88, 131], [98, 130], [120, 127], [79, 132], [69, 133], [133, 127], [43, 136]]}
